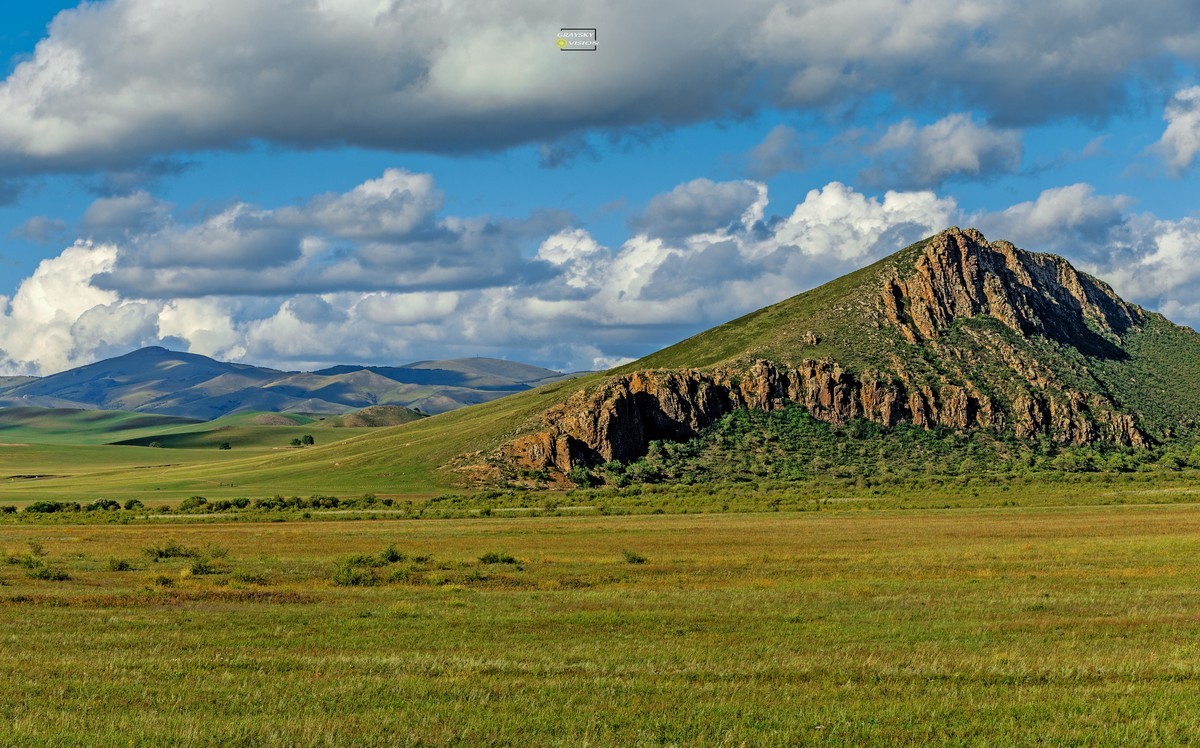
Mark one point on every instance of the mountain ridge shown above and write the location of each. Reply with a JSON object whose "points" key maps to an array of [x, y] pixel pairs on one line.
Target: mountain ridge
{"points": [[157, 380]]}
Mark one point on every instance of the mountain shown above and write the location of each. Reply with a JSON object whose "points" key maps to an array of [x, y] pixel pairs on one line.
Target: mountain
{"points": [[155, 380], [954, 332], [952, 345]]}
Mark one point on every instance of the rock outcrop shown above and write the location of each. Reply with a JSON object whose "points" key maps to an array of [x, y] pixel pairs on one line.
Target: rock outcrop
{"points": [[958, 274], [961, 275], [620, 419]]}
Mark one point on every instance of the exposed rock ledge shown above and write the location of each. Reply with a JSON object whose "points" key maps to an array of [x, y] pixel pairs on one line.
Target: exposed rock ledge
{"points": [[619, 420], [960, 274]]}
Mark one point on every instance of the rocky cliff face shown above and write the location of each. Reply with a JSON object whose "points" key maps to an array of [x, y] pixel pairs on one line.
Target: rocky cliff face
{"points": [[957, 275], [961, 275]]}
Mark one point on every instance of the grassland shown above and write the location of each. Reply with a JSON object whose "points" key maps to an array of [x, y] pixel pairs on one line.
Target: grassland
{"points": [[1010, 626], [406, 459]]}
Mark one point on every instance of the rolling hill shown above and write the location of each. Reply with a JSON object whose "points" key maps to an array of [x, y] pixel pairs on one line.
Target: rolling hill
{"points": [[249, 430], [155, 380]]}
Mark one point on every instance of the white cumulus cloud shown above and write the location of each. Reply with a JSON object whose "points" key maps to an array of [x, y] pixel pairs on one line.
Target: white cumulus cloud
{"points": [[953, 146], [1180, 142], [567, 299]]}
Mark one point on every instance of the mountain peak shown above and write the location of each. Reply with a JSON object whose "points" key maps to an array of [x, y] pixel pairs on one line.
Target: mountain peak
{"points": [[959, 274], [148, 351]]}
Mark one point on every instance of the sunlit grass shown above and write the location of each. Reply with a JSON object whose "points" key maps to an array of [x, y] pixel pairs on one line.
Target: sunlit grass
{"points": [[999, 626]]}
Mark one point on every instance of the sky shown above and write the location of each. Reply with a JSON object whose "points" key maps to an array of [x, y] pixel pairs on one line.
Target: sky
{"points": [[298, 183]]}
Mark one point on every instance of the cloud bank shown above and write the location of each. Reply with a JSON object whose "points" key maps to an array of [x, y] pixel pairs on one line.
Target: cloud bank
{"points": [[379, 274], [116, 84]]}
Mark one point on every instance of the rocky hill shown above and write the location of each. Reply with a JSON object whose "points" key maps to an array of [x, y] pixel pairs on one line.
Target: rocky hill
{"points": [[954, 332]]}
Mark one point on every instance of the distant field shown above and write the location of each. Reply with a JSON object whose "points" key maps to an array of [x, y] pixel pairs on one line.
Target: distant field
{"points": [[110, 451], [406, 459], [1053, 626]]}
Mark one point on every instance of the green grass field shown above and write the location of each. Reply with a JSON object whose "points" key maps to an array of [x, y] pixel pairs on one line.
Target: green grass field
{"points": [[406, 459], [90, 454], [1009, 626]]}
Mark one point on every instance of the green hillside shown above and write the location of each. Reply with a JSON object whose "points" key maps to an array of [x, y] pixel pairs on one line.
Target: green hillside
{"points": [[1011, 334], [78, 427], [406, 459]]}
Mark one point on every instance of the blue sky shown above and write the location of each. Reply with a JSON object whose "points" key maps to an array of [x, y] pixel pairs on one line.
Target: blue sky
{"points": [[301, 183]]}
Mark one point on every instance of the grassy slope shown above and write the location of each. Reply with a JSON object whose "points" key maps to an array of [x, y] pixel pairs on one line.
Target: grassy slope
{"points": [[410, 458], [776, 332], [82, 427], [967, 627], [376, 416], [1161, 383], [405, 459], [75, 452]]}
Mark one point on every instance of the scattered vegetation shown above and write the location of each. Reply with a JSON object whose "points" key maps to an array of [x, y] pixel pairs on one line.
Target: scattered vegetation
{"points": [[1054, 626], [170, 549], [492, 557], [789, 445]]}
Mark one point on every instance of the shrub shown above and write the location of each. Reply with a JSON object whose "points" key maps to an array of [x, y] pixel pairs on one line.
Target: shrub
{"points": [[170, 549], [119, 564], [204, 566], [347, 574], [497, 558], [246, 577], [191, 503], [103, 505], [582, 477], [634, 558], [362, 560], [296, 442], [134, 504], [29, 562], [224, 445], [324, 502], [307, 440], [8, 509], [390, 555], [48, 573], [162, 580], [50, 507]]}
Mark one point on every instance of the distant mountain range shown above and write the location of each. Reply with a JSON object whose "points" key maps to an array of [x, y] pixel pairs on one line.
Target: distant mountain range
{"points": [[156, 380]]}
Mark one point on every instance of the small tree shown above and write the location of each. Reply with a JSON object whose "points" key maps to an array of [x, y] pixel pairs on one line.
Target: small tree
{"points": [[296, 442], [308, 440], [224, 445]]}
